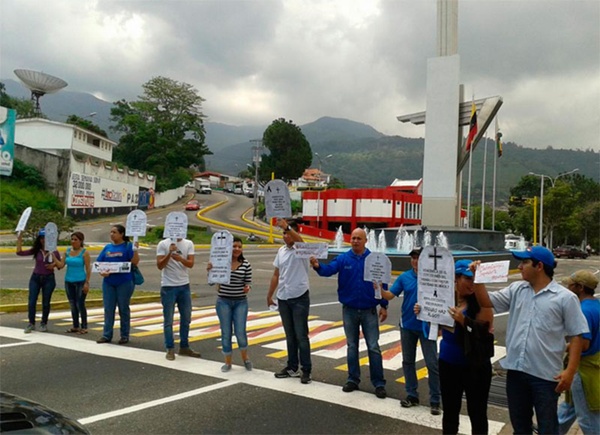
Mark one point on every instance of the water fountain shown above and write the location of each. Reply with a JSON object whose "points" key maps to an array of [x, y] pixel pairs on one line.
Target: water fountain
{"points": [[339, 238], [397, 243]]}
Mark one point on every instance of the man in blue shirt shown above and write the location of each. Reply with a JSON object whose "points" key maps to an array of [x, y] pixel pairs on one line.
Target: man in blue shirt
{"points": [[357, 297], [542, 313], [411, 333], [583, 401]]}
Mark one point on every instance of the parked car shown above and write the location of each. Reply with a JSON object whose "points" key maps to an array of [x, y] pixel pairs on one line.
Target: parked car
{"points": [[569, 251], [20, 415], [237, 190], [192, 205]]}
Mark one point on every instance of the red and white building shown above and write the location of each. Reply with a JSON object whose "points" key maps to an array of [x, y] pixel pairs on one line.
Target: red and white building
{"points": [[392, 206]]}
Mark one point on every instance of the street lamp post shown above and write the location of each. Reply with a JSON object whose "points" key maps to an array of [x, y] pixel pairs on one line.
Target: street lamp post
{"points": [[319, 190], [552, 180], [256, 158]]}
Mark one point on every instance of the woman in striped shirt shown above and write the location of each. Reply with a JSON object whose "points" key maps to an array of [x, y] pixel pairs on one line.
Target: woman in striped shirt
{"points": [[232, 306]]}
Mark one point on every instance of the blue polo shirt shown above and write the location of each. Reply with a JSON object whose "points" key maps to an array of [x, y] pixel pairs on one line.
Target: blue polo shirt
{"points": [[407, 283], [353, 290]]}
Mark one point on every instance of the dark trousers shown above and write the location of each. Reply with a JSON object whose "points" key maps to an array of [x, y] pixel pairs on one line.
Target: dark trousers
{"points": [[45, 284], [526, 392], [475, 383], [294, 317]]}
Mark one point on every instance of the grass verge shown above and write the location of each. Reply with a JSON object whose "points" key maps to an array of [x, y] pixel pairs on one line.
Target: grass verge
{"points": [[20, 296]]}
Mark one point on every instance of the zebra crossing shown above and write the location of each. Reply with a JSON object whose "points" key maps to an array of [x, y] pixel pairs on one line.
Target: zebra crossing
{"points": [[264, 328]]}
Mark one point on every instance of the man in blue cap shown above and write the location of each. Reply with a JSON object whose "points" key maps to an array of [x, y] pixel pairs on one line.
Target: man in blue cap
{"points": [[542, 313]]}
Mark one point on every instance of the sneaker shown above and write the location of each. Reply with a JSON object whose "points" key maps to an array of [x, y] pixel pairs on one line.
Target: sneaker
{"points": [[435, 410], [287, 373], [29, 328], [225, 368], [186, 351], [102, 340], [170, 354], [349, 387], [380, 392], [43, 327], [409, 402], [306, 379], [248, 365]]}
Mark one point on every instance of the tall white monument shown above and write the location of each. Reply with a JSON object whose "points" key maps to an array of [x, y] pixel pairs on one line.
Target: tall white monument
{"points": [[440, 205], [444, 157]]}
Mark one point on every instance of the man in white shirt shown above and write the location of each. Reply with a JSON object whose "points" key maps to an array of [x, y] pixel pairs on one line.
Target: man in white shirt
{"points": [[290, 279], [175, 259]]}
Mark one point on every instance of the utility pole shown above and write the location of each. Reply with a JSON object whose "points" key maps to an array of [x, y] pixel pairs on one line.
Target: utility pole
{"points": [[256, 152]]}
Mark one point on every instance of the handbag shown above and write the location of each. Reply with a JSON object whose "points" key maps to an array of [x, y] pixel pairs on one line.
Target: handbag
{"points": [[138, 278]]}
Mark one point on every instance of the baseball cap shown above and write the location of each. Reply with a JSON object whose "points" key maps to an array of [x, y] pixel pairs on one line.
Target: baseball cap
{"points": [[415, 251], [583, 277], [461, 267], [42, 232], [538, 253]]}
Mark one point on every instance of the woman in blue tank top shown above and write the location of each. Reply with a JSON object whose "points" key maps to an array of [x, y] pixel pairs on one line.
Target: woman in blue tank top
{"points": [[465, 352], [77, 281]]}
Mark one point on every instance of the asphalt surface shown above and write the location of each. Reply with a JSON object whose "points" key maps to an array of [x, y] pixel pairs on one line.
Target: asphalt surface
{"points": [[117, 389]]}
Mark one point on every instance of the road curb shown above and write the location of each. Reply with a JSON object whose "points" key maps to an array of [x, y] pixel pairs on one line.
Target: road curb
{"points": [[61, 305]]}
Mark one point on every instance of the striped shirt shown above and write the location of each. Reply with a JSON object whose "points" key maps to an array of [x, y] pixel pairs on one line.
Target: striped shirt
{"points": [[239, 278]]}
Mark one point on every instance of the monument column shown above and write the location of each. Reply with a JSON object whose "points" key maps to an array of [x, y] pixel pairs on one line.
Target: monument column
{"points": [[440, 199]]}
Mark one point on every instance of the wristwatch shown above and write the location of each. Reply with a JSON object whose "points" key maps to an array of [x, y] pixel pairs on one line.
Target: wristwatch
{"points": [[288, 228]]}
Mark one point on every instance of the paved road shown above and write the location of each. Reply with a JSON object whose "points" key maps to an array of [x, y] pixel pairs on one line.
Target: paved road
{"points": [[134, 389]]}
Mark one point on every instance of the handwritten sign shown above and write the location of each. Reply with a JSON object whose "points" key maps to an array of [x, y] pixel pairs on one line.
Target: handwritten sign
{"points": [[111, 267], [51, 231], [435, 281], [378, 268], [23, 220], [136, 224], [307, 250], [277, 199], [221, 247], [176, 226], [496, 271]]}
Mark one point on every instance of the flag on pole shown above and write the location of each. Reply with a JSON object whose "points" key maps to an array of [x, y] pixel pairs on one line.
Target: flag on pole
{"points": [[472, 127], [498, 139]]}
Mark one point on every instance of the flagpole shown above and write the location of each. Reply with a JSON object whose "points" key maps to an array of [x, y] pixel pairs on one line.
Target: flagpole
{"points": [[481, 225], [494, 179], [469, 189]]}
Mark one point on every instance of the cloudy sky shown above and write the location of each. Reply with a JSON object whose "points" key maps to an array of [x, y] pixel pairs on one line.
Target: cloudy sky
{"points": [[365, 60]]}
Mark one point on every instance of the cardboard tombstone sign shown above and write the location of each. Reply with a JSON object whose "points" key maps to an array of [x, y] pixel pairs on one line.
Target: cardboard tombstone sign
{"points": [[136, 224], [277, 200], [176, 226], [435, 280], [221, 247]]}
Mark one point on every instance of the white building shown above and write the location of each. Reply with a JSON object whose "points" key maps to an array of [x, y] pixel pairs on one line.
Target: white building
{"points": [[87, 180]]}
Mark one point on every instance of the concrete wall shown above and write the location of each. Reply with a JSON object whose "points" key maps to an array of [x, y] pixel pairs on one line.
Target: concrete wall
{"points": [[168, 197], [55, 167]]}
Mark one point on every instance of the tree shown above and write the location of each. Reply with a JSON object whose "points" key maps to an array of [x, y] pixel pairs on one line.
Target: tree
{"points": [[23, 106], [87, 124], [290, 152], [163, 131]]}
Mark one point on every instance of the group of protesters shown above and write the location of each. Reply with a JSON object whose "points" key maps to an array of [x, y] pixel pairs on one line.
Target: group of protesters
{"points": [[552, 339]]}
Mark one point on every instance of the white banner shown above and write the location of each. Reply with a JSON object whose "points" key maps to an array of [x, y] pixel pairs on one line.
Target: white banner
{"points": [[90, 191], [307, 250], [496, 271], [111, 267]]}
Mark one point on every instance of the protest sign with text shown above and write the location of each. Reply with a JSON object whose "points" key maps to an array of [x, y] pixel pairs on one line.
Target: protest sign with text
{"points": [[221, 247], [495, 271], [277, 200], [435, 281], [307, 250]]}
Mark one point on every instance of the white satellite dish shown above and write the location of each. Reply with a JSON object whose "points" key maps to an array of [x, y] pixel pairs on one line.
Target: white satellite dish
{"points": [[39, 84]]}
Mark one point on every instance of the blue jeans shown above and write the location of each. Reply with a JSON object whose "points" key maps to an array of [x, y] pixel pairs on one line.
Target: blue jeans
{"points": [[45, 283], [114, 295], [180, 295], [526, 392], [589, 421], [233, 314], [294, 317], [76, 298], [409, 339], [368, 321]]}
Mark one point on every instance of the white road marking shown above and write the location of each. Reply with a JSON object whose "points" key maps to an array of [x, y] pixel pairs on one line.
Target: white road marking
{"points": [[14, 344], [359, 400], [154, 403]]}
